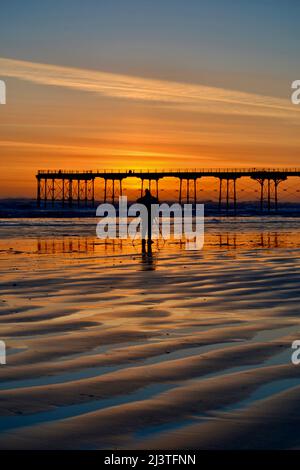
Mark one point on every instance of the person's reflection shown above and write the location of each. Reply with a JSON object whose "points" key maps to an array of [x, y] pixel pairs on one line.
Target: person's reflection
{"points": [[148, 263]]}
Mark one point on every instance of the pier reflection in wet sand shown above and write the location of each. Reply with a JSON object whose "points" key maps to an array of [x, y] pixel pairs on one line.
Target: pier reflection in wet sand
{"points": [[175, 348], [227, 240]]}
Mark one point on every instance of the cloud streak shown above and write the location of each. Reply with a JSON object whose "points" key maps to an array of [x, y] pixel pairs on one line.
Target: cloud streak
{"points": [[182, 96]]}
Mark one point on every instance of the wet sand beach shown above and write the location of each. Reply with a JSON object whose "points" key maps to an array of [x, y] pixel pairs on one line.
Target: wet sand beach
{"points": [[110, 348]]}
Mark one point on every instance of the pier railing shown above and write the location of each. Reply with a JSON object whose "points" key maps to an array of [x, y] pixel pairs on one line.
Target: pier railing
{"points": [[174, 171]]}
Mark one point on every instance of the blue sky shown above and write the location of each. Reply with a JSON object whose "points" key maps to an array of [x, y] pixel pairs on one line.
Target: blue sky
{"points": [[247, 45]]}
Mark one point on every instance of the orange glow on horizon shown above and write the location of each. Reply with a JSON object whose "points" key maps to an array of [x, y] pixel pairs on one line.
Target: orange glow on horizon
{"points": [[85, 124]]}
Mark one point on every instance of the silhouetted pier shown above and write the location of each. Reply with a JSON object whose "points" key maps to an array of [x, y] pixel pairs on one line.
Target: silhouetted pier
{"points": [[78, 187]]}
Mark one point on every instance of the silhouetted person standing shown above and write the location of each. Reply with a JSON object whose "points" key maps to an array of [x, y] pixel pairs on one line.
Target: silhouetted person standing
{"points": [[147, 200]]}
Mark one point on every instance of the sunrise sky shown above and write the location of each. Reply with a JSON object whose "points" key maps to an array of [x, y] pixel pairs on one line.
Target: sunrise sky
{"points": [[146, 84]]}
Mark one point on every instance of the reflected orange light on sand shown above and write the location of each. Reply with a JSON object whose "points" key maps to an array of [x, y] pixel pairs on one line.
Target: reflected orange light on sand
{"points": [[224, 240]]}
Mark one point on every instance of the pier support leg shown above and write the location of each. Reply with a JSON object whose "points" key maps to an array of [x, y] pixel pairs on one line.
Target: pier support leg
{"points": [[227, 196], [269, 195], [113, 191], [93, 192], [277, 182], [38, 198], [195, 191], [45, 191], [261, 180], [220, 194], [105, 189], [70, 192], [262, 185], [142, 187], [276, 194], [180, 190], [85, 193], [188, 191], [234, 195], [63, 193], [53, 192], [157, 189]]}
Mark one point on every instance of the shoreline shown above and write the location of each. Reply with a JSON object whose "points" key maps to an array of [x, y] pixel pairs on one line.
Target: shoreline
{"points": [[27, 208]]}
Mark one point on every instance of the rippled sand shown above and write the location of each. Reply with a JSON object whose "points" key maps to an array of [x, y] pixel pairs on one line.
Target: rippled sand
{"points": [[111, 348]]}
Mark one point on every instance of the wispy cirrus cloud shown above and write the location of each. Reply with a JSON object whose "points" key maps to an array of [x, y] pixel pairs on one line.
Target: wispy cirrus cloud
{"points": [[185, 96], [86, 150]]}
